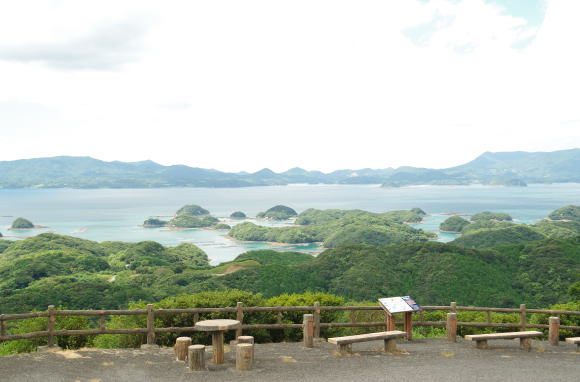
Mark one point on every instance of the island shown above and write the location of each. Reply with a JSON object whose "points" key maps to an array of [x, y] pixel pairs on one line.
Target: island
{"points": [[487, 215], [154, 222], [278, 212], [453, 224], [24, 224], [238, 215], [570, 212]]}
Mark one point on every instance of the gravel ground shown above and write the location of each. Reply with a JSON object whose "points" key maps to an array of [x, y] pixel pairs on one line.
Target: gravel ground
{"points": [[419, 360]]}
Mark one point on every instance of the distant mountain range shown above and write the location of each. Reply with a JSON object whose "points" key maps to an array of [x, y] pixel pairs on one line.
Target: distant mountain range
{"points": [[506, 168]]}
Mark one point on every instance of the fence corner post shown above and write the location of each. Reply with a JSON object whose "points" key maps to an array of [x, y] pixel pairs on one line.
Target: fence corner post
{"points": [[239, 317], [554, 331], [523, 318], [308, 327], [150, 325], [316, 320], [50, 326], [452, 327]]}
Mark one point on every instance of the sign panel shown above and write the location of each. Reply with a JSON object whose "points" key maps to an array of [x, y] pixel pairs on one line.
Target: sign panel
{"points": [[399, 304]]}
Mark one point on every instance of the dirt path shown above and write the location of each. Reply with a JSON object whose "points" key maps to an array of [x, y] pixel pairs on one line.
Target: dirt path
{"points": [[421, 360]]}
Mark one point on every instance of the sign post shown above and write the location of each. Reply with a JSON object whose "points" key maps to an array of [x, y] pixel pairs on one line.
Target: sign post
{"points": [[404, 304]]}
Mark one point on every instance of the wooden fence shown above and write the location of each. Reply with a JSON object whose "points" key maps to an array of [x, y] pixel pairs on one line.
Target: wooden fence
{"points": [[51, 314]]}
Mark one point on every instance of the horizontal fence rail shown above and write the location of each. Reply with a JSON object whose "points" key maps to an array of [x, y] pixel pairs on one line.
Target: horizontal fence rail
{"points": [[51, 314]]}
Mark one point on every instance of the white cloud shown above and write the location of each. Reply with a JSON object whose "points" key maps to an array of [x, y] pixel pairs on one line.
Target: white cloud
{"points": [[318, 84]]}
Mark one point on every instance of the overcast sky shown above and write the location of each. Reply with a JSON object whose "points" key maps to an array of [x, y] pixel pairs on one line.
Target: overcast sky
{"points": [[244, 84]]}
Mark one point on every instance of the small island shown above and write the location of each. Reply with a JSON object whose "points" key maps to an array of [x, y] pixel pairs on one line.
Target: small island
{"points": [[238, 215], [567, 213], [24, 224], [278, 212], [154, 222], [453, 224], [188, 216]]}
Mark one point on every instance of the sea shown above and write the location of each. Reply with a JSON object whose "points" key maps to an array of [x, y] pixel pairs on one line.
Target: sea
{"points": [[118, 214]]}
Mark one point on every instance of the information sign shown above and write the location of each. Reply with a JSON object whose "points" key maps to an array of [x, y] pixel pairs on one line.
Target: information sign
{"points": [[399, 304]]}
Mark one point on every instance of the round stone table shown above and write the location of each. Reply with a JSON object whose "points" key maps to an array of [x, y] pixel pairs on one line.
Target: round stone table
{"points": [[217, 329]]}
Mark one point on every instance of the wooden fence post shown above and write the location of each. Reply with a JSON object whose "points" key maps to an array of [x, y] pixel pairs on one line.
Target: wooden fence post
{"points": [[390, 321], [488, 317], [554, 331], [408, 325], [50, 326], [150, 325], [452, 327], [239, 317], [2, 326], [102, 322], [523, 318], [453, 307], [308, 326], [317, 320]]}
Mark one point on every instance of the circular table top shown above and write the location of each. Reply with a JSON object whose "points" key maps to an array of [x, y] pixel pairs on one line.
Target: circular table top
{"points": [[215, 325]]}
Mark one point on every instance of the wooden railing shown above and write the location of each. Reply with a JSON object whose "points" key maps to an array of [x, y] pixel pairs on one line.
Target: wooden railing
{"points": [[51, 314]]}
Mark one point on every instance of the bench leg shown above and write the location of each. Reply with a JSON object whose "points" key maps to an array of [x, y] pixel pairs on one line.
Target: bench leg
{"points": [[390, 345], [578, 348], [345, 349], [526, 344], [481, 344]]}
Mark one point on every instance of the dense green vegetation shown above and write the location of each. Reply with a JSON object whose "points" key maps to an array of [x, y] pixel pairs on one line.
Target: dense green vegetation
{"points": [[190, 221], [21, 223], [338, 227], [492, 237], [570, 212], [153, 222], [238, 215], [278, 212], [453, 224], [192, 209], [487, 215]]}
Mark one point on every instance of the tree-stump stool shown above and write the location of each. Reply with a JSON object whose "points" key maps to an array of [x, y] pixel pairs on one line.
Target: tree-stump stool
{"points": [[245, 340], [181, 345], [196, 355], [244, 356]]}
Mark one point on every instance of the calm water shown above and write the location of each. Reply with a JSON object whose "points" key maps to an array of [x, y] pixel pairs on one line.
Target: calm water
{"points": [[113, 214]]}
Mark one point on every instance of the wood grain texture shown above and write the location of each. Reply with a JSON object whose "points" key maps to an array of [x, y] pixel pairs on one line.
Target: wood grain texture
{"points": [[367, 337], [214, 325]]}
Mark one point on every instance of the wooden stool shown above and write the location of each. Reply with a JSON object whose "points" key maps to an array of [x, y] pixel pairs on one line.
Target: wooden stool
{"points": [[244, 356], [181, 345], [196, 355]]}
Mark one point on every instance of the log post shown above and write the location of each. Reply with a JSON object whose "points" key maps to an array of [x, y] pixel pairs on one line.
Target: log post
{"points": [[453, 307], [488, 317], [102, 322], [390, 318], [217, 346], [244, 356], [150, 325], [523, 318], [2, 326], [452, 327], [181, 348], [196, 356], [526, 344], [408, 325], [391, 345], [195, 318], [554, 331], [308, 327], [239, 317], [316, 320], [245, 340], [51, 325]]}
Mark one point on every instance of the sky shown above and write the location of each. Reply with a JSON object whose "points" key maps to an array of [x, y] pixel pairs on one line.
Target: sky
{"points": [[319, 84]]}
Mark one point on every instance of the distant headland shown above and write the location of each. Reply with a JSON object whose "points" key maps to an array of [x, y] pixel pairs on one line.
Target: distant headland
{"points": [[510, 169]]}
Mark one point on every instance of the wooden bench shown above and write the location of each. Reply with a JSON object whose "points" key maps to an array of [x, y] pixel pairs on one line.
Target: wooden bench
{"points": [[574, 340], [345, 343], [525, 338]]}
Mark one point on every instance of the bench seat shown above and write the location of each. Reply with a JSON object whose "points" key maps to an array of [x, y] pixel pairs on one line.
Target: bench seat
{"points": [[390, 338], [574, 340], [525, 338]]}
